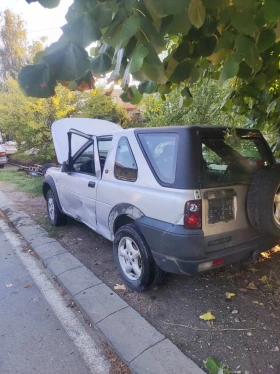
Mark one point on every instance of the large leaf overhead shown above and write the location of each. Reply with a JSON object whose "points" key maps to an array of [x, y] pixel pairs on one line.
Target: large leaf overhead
{"points": [[218, 39]]}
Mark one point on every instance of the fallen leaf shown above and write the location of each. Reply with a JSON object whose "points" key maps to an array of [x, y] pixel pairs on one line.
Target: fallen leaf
{"points": [[26, 286], [119, 287], [252, 286], [276, 349], [207, 316], [264, 278], [9, 285], [229, 295], [252, 269], [249, 333]]}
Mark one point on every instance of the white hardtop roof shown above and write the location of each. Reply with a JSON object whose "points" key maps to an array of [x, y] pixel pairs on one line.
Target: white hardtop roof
{"points": [[88, 126]]}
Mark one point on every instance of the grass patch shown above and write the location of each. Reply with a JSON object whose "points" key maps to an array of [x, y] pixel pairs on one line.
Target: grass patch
{"points": [[24, 182]]}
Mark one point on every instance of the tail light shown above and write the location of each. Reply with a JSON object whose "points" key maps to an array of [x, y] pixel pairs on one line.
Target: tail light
{"points": [[193, 214], [2, 154]]}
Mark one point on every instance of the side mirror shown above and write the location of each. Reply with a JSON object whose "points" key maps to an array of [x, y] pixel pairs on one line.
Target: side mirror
{"points": [[64, 167]]}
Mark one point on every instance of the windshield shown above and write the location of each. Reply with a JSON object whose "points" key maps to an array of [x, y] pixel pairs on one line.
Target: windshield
{"points": [[223, 163]]}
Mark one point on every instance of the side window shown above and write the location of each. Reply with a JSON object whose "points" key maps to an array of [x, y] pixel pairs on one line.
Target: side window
{"points": [[161, 150], [103, 149], [125, 164], [84, 163]]}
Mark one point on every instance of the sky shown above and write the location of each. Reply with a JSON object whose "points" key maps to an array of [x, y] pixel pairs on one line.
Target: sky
{"points": [[39, 21]]}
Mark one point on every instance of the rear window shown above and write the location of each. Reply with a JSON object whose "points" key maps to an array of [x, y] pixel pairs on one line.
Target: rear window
{"points": [[224, 163], [161, 150]]}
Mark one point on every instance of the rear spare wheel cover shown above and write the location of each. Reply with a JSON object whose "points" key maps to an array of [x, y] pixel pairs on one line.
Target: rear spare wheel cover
{"points": [[263, 201]]}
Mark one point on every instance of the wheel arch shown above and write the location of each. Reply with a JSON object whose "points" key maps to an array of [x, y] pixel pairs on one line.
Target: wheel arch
{"points": [[48, 184], [121, 215]]}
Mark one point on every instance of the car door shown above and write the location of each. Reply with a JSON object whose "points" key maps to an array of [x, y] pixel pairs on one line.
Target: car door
{"points": [[77, 187]]}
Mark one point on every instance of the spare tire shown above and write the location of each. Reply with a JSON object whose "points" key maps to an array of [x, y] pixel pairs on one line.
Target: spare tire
{"points": [[46, 167], [263, 201]]}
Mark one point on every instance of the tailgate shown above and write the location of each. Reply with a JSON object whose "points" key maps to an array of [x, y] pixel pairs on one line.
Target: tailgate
{"points": [[224, 218]]}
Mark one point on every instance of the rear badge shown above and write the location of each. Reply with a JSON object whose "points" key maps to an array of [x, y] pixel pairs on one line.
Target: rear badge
{"points": [[219, 241]]}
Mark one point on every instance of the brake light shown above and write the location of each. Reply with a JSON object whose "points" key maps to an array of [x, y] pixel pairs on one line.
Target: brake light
{"points": [[2, 154], [193, 214]]}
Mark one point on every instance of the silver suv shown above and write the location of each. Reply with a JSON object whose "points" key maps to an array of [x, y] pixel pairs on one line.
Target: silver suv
{"points": [[171, 199]]}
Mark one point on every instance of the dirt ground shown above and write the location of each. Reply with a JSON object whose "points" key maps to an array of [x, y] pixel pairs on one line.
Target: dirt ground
{"points": [[246, 331]]}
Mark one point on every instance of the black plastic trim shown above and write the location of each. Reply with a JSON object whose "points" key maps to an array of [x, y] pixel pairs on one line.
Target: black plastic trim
{"points": [[50, 182]]}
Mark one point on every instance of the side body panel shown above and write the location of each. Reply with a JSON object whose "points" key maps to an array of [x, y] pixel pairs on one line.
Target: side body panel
{"points": [[154, 201]]}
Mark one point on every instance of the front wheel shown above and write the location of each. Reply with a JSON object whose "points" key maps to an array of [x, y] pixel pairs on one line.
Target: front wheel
{"points": [[55, 216], [134, 260]]}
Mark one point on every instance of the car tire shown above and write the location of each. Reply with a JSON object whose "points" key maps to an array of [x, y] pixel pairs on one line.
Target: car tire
{"points": [[2, 166], [147, 272], [263, 201], [46, 167], [55, 216]]}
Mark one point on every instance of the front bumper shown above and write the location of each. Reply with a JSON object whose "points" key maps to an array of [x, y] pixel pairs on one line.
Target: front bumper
{"points": [[181, 251]]}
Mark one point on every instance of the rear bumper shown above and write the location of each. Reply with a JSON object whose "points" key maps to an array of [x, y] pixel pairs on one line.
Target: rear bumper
{"points": [[177, 250], [3, 160]]}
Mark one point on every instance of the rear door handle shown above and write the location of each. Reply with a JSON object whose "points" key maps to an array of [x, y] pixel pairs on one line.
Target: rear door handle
{"points": [[91, 184]]}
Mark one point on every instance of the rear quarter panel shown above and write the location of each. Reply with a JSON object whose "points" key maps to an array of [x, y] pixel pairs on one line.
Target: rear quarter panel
{"points": [[153, 200]]}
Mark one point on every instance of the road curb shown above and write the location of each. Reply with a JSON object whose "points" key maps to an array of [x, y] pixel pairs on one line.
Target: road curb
{"points": [[139, 344]]}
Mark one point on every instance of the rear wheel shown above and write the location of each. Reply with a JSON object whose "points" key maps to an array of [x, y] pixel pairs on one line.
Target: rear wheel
{"points": [[134, 260], [55, 216], [2, 166]]}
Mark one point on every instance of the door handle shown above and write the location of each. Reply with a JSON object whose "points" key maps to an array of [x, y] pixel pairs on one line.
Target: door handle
{"points": [[91, 184]]}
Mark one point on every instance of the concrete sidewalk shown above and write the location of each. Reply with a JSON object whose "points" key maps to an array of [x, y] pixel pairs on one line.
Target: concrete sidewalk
{"points": [[33, 335], [138, 343]]}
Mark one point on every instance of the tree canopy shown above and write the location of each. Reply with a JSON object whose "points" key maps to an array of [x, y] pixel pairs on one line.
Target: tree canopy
{"points": [[217, 39], [15, 50]]}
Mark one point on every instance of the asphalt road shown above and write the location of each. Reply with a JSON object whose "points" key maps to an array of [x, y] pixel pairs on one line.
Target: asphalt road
{"points": [[38, 333]]}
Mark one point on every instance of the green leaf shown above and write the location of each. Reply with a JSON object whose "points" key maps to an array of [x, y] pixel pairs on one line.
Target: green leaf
{"points": [[180, 24], [227, 14], [151, 33], [165, 88], [206, 45], [181, 72], [213, 365], [184, 51], [102, 14], [247, 48], [83, 83], [243, 22], [243, 4], [213, 4], [49, 3], [266, 40], [272, 10], [36, 81], [125, 97], [82, 30], [226, 41], [66, 61], [195, 75], [250, 90], [231, 67], [121, 30], [154, 72], [244, 71], [137, 57], [260, 81], [163, 8], [197, 13], [147, 87], [100, 64], [136, 95]]}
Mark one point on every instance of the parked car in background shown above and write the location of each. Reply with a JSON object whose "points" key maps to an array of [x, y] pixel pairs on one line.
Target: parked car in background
{"points": [[175, 199], [3, 156]]}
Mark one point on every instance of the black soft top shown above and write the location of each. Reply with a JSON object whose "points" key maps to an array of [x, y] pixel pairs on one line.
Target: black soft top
{"points": [[189, 157]]}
